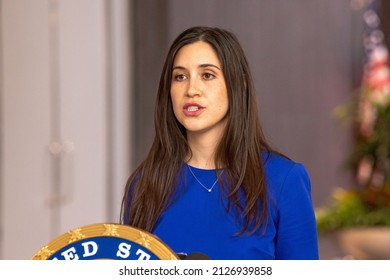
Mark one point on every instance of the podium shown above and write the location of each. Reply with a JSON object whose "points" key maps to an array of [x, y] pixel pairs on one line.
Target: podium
{"points": [[106, 241]]}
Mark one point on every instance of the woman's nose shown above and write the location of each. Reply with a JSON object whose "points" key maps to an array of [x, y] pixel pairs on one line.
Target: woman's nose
{"points": [[194, 88]]}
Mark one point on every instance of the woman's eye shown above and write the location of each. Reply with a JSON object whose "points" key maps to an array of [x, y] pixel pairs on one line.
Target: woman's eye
{"points": [[208, 76], [180, 77]]}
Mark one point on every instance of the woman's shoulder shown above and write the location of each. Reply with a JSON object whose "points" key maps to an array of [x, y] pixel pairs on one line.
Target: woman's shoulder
{"points": [[275, 158], [277, 161], [281, 171]]}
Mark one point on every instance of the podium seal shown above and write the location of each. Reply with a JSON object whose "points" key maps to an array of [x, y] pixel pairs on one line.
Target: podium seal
{"points": [[106, 241]]}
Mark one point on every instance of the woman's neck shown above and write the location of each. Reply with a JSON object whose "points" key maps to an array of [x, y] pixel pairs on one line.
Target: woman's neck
{"points": [[203, 148]]}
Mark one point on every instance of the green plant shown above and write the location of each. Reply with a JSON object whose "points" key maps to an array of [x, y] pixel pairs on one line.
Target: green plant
{"points": [[349, 209], [368, 202]]}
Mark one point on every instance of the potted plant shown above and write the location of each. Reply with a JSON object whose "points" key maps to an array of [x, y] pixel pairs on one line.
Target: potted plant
{"points": [[360, 216]]}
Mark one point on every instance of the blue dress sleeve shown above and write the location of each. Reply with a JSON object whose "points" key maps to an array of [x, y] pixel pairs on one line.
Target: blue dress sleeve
{"points": [[296, 236]]}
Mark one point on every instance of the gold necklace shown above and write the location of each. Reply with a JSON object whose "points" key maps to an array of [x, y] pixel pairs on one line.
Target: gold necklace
{"points": [[196, 178]]}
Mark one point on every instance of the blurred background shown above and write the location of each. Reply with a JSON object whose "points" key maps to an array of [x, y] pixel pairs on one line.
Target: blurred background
{"points": [[77, 87]]}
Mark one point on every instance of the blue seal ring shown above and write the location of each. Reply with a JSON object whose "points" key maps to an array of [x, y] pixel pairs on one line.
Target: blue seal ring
{"points": [[106, 241]]}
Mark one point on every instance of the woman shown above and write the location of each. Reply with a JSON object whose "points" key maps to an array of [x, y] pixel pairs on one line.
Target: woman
{"points": [[210, 182]]}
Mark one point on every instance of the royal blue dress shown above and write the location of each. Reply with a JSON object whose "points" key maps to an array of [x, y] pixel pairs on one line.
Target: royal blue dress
{"points": [[197, 220]]}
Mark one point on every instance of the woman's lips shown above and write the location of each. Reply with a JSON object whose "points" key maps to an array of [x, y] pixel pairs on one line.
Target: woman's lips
{"points": [[192, 109]]}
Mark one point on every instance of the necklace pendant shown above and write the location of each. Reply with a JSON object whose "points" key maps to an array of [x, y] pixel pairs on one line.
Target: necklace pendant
{"points": [[196, 178]]}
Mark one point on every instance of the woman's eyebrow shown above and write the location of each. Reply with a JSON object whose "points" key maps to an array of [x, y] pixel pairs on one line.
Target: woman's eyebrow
{"points": [[209, 65], [204, 65]]}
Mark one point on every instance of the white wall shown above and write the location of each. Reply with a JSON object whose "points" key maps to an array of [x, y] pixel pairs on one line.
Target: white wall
{"points": [[65, 120]]}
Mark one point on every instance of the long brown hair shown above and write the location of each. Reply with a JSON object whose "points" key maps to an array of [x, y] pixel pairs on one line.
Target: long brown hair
{"points": [[151, 186]]}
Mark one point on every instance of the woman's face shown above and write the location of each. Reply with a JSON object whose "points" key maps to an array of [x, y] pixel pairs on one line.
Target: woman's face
{"points": [[198, 90]]}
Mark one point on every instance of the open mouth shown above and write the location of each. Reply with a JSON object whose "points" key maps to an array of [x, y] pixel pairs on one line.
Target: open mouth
{"points": [[193, 108]]}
